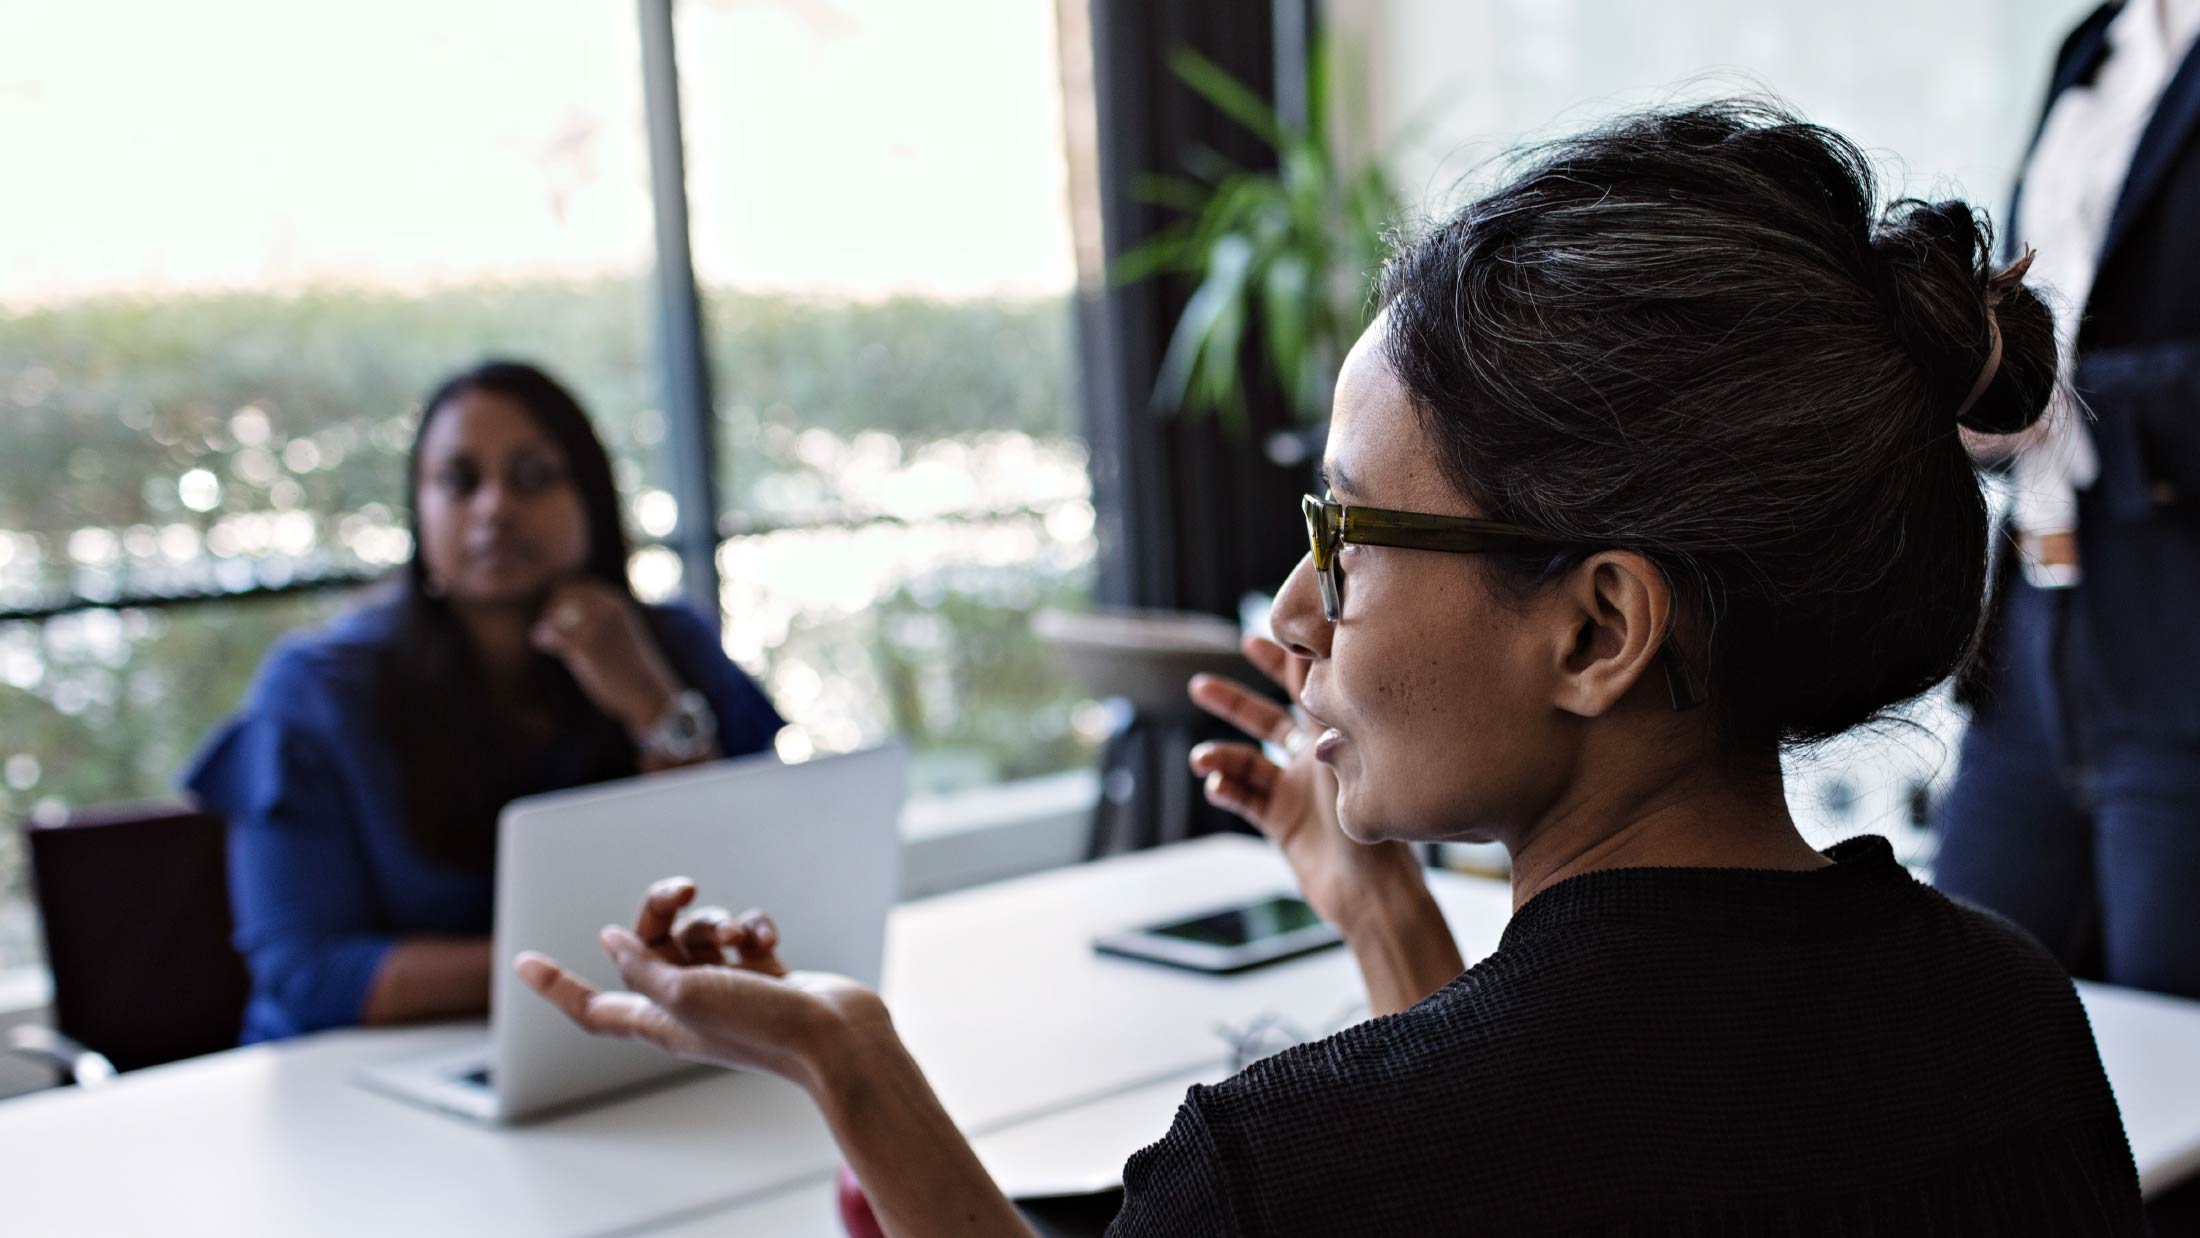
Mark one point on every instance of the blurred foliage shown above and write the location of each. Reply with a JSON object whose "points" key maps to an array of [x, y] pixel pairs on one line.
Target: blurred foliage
{"points": [[913, 369], [106, 403], [1285, 260], [966, 683]]}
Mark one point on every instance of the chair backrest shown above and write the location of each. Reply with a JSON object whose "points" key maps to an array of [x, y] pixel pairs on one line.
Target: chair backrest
{"points": [[135, 904]]}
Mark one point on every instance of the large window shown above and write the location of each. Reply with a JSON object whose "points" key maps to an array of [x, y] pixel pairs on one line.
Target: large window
{"points": [[881, 224], [241, 242], [244, 239]]}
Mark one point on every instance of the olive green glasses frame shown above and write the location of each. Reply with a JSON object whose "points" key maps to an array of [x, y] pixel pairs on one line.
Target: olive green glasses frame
{"points": [[1330, 525]]}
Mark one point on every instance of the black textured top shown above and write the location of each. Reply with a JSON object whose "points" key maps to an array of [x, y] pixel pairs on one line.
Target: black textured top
{"points": [[1682, 1051]]}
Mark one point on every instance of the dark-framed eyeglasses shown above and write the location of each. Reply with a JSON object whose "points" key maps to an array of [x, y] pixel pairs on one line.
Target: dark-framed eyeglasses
{"points": [[1330, 525]]}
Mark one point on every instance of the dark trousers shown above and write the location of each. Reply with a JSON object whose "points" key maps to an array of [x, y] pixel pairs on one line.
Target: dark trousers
{"points": [[2085, 832]]}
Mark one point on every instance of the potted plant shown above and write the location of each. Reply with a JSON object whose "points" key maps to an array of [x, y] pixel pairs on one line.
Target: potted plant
{"points": [[1285, 261]]}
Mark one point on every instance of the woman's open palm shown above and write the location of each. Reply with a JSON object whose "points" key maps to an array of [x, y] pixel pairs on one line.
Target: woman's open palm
{"points": [[705, 986]]}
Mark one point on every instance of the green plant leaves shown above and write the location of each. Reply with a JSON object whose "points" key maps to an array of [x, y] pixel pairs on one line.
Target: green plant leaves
{"points": [[1230, 96], [1285, 260], [1200, 368]]}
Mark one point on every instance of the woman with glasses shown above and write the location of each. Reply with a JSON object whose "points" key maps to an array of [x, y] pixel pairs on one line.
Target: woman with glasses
{"points": [[1647, 471], [363, 777]]}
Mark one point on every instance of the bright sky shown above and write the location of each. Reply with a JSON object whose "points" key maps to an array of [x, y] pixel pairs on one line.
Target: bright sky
{"points": [[844, 147]]}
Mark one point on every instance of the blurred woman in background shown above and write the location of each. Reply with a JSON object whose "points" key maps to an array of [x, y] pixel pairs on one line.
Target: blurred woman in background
{"points": [[363, 777]]}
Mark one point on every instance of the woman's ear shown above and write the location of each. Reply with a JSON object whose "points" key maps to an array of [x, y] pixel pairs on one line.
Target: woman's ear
{"points": [[1617, 607]]}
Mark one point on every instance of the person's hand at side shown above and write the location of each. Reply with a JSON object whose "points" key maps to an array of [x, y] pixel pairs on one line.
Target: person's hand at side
{"points": [[602, 640], [1373, 892], [711, 988]]}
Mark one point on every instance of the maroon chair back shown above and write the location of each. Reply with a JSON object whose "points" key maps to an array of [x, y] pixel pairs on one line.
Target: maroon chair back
{"points": [[135, 904]]}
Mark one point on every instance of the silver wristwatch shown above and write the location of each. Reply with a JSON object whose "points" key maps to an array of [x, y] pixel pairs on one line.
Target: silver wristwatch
{"points": [[687, 730]]}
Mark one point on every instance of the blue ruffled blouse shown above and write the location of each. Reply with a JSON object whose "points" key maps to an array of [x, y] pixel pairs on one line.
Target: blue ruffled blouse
{"points": [[323, 878]]}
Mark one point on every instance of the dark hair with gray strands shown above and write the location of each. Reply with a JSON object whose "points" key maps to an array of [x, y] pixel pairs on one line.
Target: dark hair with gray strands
{"points": [[1695, 334]]}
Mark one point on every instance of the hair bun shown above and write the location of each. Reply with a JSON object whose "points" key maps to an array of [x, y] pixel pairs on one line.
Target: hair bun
{"points": [[1948, 310]]}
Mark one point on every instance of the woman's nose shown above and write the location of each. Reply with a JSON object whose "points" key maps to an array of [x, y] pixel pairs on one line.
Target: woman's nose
{"points": [[1297, 615], [491, 500]]}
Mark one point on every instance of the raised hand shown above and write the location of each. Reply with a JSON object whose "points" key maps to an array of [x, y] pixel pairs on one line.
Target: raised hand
{"points": [[601, 638], [1295, 803]]}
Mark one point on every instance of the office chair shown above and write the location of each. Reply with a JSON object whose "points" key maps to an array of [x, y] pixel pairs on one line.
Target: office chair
{"points": [[135, 906]]}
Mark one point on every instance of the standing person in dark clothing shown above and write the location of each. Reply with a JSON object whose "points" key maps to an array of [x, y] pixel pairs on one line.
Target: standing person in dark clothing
{"points": [[2076, 809], [1649, 468]]}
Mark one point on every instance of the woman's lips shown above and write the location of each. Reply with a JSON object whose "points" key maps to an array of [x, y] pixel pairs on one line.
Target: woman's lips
{"points": [[500, 554], [1325, 748]]}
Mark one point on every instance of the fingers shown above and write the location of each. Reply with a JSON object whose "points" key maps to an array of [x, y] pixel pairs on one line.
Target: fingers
{"points": [[1276, 662], [1235, 797], [1236, 777], [546, 637], [554, 627], [582, 1002], [644, 970], [626, 1015], [754, 939], [699, 934], [1236, 762], [570, 616], [660, 907], [702, 935], [1242, 708], [1266, 655], [1286, 669], [565, 990]]}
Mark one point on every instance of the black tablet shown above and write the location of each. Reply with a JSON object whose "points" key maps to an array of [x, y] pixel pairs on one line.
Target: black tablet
{"points": [[1228, 939]]}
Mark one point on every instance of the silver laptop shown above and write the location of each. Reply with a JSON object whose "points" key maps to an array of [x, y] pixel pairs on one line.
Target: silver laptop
{"points": [[816, 844]]}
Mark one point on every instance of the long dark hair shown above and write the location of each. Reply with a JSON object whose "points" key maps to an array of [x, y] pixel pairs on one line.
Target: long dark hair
{"points": [[458, 763], [1697, 334]]}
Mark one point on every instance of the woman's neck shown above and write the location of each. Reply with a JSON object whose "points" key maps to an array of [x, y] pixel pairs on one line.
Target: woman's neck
{"points": [[498, 636], [1700, 816]]}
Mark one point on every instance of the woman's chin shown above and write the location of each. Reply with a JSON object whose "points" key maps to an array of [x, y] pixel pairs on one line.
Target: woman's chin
{"points": [[1367, 822], [501, 593], [1356, 825]]}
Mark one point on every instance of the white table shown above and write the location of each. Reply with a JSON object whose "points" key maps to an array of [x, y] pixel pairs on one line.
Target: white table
{"points": [[2150, 1046], [1099, 1135], [996, 990], [1057, 1061]]}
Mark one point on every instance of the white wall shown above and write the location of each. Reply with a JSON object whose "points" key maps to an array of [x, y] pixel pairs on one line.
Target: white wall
{"points": [[1947, 91], [1944, 93]]}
